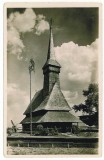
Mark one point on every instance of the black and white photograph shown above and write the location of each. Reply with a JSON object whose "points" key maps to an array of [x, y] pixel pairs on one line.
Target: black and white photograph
{"points": [[52, 78]]}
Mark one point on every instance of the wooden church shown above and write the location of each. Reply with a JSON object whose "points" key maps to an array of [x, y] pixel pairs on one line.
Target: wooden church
{"points": [[49, 106]]}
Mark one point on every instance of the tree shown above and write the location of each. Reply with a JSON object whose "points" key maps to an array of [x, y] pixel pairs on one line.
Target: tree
{"points": [[91, 102]]}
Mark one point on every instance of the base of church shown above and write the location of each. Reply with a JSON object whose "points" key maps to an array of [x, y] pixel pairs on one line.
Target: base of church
{"points": [[60, 126]]}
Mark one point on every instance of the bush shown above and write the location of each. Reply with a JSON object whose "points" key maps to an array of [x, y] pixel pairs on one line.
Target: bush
{"points": [[39, 130], [46, 131], [39, 127], [53, 131], [56, 130], [9, 131], [75, 130]]}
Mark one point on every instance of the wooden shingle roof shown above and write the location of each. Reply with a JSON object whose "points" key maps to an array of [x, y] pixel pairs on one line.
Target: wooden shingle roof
{"points": [[52, 116], [54, 101], [35, 102], [52, 63]]}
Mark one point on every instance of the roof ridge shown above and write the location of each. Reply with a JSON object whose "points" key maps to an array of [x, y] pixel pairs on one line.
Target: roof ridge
{"points": [[50, 95], [47, 97], [65, 100], [55, 100], [56, 84]]}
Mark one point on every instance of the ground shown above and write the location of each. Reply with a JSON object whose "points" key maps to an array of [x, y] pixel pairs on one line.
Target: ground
{"points": [[52, 151]]}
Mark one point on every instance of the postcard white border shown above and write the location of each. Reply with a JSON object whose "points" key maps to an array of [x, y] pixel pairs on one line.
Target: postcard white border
{"points": [[47, 5]]}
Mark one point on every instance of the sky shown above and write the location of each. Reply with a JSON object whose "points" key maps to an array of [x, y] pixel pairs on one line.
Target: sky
{"points": [[76, 39]]}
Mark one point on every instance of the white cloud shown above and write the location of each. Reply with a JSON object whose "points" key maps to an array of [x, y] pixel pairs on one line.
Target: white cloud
{"points": [[79, 63], [20, 23], [41, 25], [24, 22], [69, 95], [18, 100], [15, 44]]}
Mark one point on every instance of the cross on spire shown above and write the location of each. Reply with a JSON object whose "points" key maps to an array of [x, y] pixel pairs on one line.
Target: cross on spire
{"points": [[51, 21]]}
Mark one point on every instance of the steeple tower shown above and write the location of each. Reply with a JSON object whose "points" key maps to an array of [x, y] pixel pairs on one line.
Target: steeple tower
{"points": [[51, 69], [51, 52]]}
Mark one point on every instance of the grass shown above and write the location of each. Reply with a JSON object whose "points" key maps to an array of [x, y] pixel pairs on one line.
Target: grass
{"points": [[51, 151], [68, 134]]}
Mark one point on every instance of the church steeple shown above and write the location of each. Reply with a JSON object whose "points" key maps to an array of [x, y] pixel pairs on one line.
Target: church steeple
{"points": [[51, 69], [51, 59], [51, 52]]}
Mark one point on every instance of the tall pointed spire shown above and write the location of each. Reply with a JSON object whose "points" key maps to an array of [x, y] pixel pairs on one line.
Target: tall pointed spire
{"points": [[51, 68], [51, 52]]}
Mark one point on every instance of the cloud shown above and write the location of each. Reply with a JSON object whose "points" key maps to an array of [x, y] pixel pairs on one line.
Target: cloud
{"points": [[20, 23], [79, 63], [41, 25], [23, 22], [15, 45], [17, 100], [70, 96]]}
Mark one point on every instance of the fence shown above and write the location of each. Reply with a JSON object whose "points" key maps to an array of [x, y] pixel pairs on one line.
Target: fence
{"points": [[48, 142]]}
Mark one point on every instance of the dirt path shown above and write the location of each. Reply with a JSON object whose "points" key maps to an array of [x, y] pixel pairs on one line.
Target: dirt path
{"points": [[45, 151]]}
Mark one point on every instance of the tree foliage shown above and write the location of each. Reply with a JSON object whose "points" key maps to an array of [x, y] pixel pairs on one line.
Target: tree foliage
{"points": [[91, 103]]}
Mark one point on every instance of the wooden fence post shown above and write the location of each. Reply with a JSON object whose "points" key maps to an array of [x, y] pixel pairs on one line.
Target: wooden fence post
{"points": [[52, 145]]}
